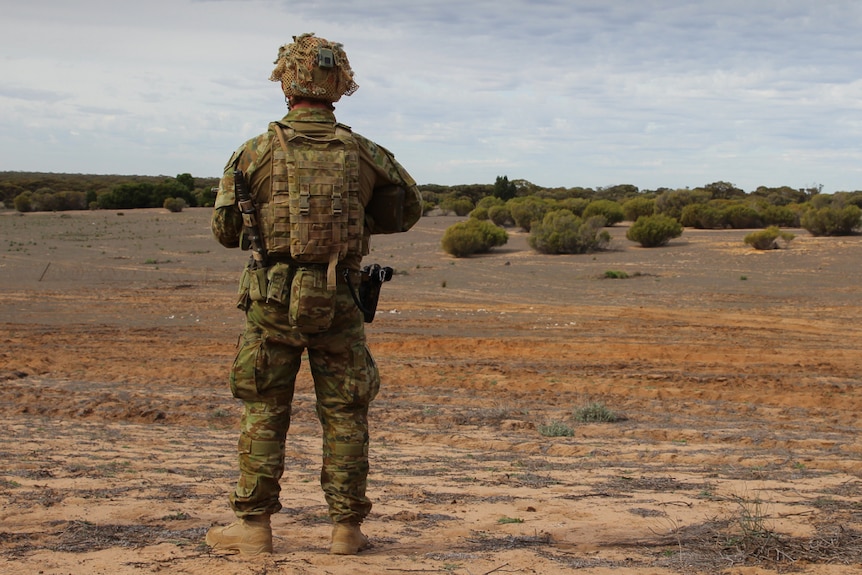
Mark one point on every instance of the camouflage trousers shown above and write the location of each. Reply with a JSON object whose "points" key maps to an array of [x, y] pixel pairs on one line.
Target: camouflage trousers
{"points": [[346, 380]]}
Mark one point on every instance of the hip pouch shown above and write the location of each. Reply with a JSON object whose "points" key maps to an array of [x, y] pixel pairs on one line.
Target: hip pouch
{"points": [[312, 305]]}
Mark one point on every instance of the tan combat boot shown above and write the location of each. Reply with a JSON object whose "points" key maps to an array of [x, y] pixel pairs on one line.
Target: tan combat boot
{"points": [[347, 539], [251, 535]]}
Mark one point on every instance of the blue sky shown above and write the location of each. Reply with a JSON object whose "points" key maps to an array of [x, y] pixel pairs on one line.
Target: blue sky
{"points": [[592, 93]]}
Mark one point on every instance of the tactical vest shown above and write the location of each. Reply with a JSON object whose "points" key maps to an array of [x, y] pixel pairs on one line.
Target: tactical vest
{"points": [[314, 215]]}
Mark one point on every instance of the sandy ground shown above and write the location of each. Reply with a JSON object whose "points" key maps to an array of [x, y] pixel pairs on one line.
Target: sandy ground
{"points": [[734, 374]]}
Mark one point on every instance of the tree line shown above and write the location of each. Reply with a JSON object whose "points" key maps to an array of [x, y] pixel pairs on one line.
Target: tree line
{"points": [[516, 202], [573, 220], [36, 191]]}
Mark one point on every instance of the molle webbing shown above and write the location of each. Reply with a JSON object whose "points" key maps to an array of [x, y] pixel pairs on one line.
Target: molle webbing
{"points": [[315, 215]]}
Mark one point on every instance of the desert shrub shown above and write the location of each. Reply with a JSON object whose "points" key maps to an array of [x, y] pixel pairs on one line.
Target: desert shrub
{"points": [[637, 207], [831, 221], [740, 217], [562, 232], [471, 237], [500, 215], [616, 275], [480, 213], [556, 429], [459, 206], [767, 239], [574, 205], [610, 210], [174, 204], [23, 202], [595, 412], [654, 231], [702, 217], [528, 209], [489, 201], [782, 216], [672, 202]]}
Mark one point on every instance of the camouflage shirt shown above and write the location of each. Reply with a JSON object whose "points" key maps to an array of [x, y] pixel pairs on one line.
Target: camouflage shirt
{"points": [[378, 168]]}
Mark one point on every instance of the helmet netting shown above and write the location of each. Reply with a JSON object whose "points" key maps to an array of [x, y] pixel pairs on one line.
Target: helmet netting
{"points": [[300, 75]]}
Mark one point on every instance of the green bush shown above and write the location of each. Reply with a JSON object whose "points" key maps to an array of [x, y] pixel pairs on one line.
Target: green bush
{"points": [[596, 412], [460, 206], [740, 217], [610, 210], [780, 216], [500, 215], [23, 202], [702, 217], [479, 213], [574, 205], [767, 239], [562, 232], [471, 237], [528, 209], [654, 231], [671, 202], [556, 429], [174, 204], [831, 221], [637, 207]]}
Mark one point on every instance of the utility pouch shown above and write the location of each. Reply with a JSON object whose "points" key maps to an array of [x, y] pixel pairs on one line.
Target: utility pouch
{"points": [[243, 301], [312, 305], [257, 284], [278, 283]]}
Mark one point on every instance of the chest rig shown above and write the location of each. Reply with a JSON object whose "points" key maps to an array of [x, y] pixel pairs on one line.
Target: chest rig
{"points": [[314, 214]]}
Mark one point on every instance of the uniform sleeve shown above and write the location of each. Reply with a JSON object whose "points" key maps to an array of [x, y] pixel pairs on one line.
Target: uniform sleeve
{"points": [[390, 172], [227, 220]]}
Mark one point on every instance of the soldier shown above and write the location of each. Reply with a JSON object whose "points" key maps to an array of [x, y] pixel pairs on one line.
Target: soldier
{"points": [[318, 192]]}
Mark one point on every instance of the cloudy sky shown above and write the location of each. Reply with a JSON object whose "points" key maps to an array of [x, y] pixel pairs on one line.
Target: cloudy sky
{"points": [[655, 93]]}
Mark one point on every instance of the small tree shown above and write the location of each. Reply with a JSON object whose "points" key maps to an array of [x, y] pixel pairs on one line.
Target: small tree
{"points": [[504, 189], [471, 237], [654, 231]]}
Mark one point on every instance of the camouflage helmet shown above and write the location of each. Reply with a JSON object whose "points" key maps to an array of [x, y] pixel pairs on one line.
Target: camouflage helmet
{"points": [[315, 68]]}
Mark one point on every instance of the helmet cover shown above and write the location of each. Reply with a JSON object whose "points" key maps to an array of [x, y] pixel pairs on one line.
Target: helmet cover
{"points": [[312, 67]]}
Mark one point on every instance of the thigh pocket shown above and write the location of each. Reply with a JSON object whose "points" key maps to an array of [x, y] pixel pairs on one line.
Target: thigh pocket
{"points": [[262, 370], [364, 375]]}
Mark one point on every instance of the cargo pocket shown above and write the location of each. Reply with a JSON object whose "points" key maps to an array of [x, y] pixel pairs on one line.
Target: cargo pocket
{"points": [[364, 376], [312, 306], [264, 369], [246, 366]]}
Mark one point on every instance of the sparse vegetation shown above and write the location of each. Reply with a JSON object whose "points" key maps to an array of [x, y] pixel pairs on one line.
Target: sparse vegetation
{"points": [[556, 429], [595, 412]]}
